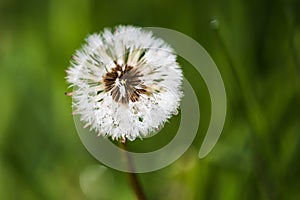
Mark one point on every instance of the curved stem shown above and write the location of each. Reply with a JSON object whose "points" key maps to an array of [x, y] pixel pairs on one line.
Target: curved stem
{"points": [[133, 179], [250, 104]]}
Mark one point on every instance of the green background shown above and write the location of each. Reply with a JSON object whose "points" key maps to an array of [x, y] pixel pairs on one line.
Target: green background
{"points": [[256, 48]]}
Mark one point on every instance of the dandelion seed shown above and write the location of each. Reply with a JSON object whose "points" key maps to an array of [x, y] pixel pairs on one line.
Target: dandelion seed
{"points": [[69, 93], [126, 83]]}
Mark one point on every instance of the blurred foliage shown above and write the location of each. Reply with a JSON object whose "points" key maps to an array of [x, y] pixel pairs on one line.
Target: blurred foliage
{"points": [[256, 46]]}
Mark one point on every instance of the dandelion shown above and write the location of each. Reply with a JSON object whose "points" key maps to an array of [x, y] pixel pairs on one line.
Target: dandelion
{"points": [[126, 83]]}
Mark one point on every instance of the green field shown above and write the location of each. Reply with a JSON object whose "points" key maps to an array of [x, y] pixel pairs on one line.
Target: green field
{"points": [[256, 46]]}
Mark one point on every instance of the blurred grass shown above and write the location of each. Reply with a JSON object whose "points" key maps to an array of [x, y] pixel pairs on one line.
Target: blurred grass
{"points": [[256, 49]]}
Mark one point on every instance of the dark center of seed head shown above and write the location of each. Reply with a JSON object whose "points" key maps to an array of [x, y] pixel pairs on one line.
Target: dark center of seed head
{"points": [[126, 77]]}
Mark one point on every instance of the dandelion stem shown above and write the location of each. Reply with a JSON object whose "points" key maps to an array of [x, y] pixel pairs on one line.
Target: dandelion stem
{"points": [[133, 179], [249, 104]]}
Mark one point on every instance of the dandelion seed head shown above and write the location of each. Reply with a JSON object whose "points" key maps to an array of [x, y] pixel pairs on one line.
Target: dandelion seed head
{"points": [[126, 83]]}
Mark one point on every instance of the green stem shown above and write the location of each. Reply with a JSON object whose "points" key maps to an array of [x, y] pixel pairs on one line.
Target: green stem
{"points": [[133, 179], [250, 104]]}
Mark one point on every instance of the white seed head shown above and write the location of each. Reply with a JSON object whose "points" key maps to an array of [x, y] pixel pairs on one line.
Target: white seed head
{"points": [[126, 83]]}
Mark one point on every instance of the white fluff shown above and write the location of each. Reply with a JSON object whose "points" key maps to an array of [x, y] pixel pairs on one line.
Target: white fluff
{"points": [[150, 57]]}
